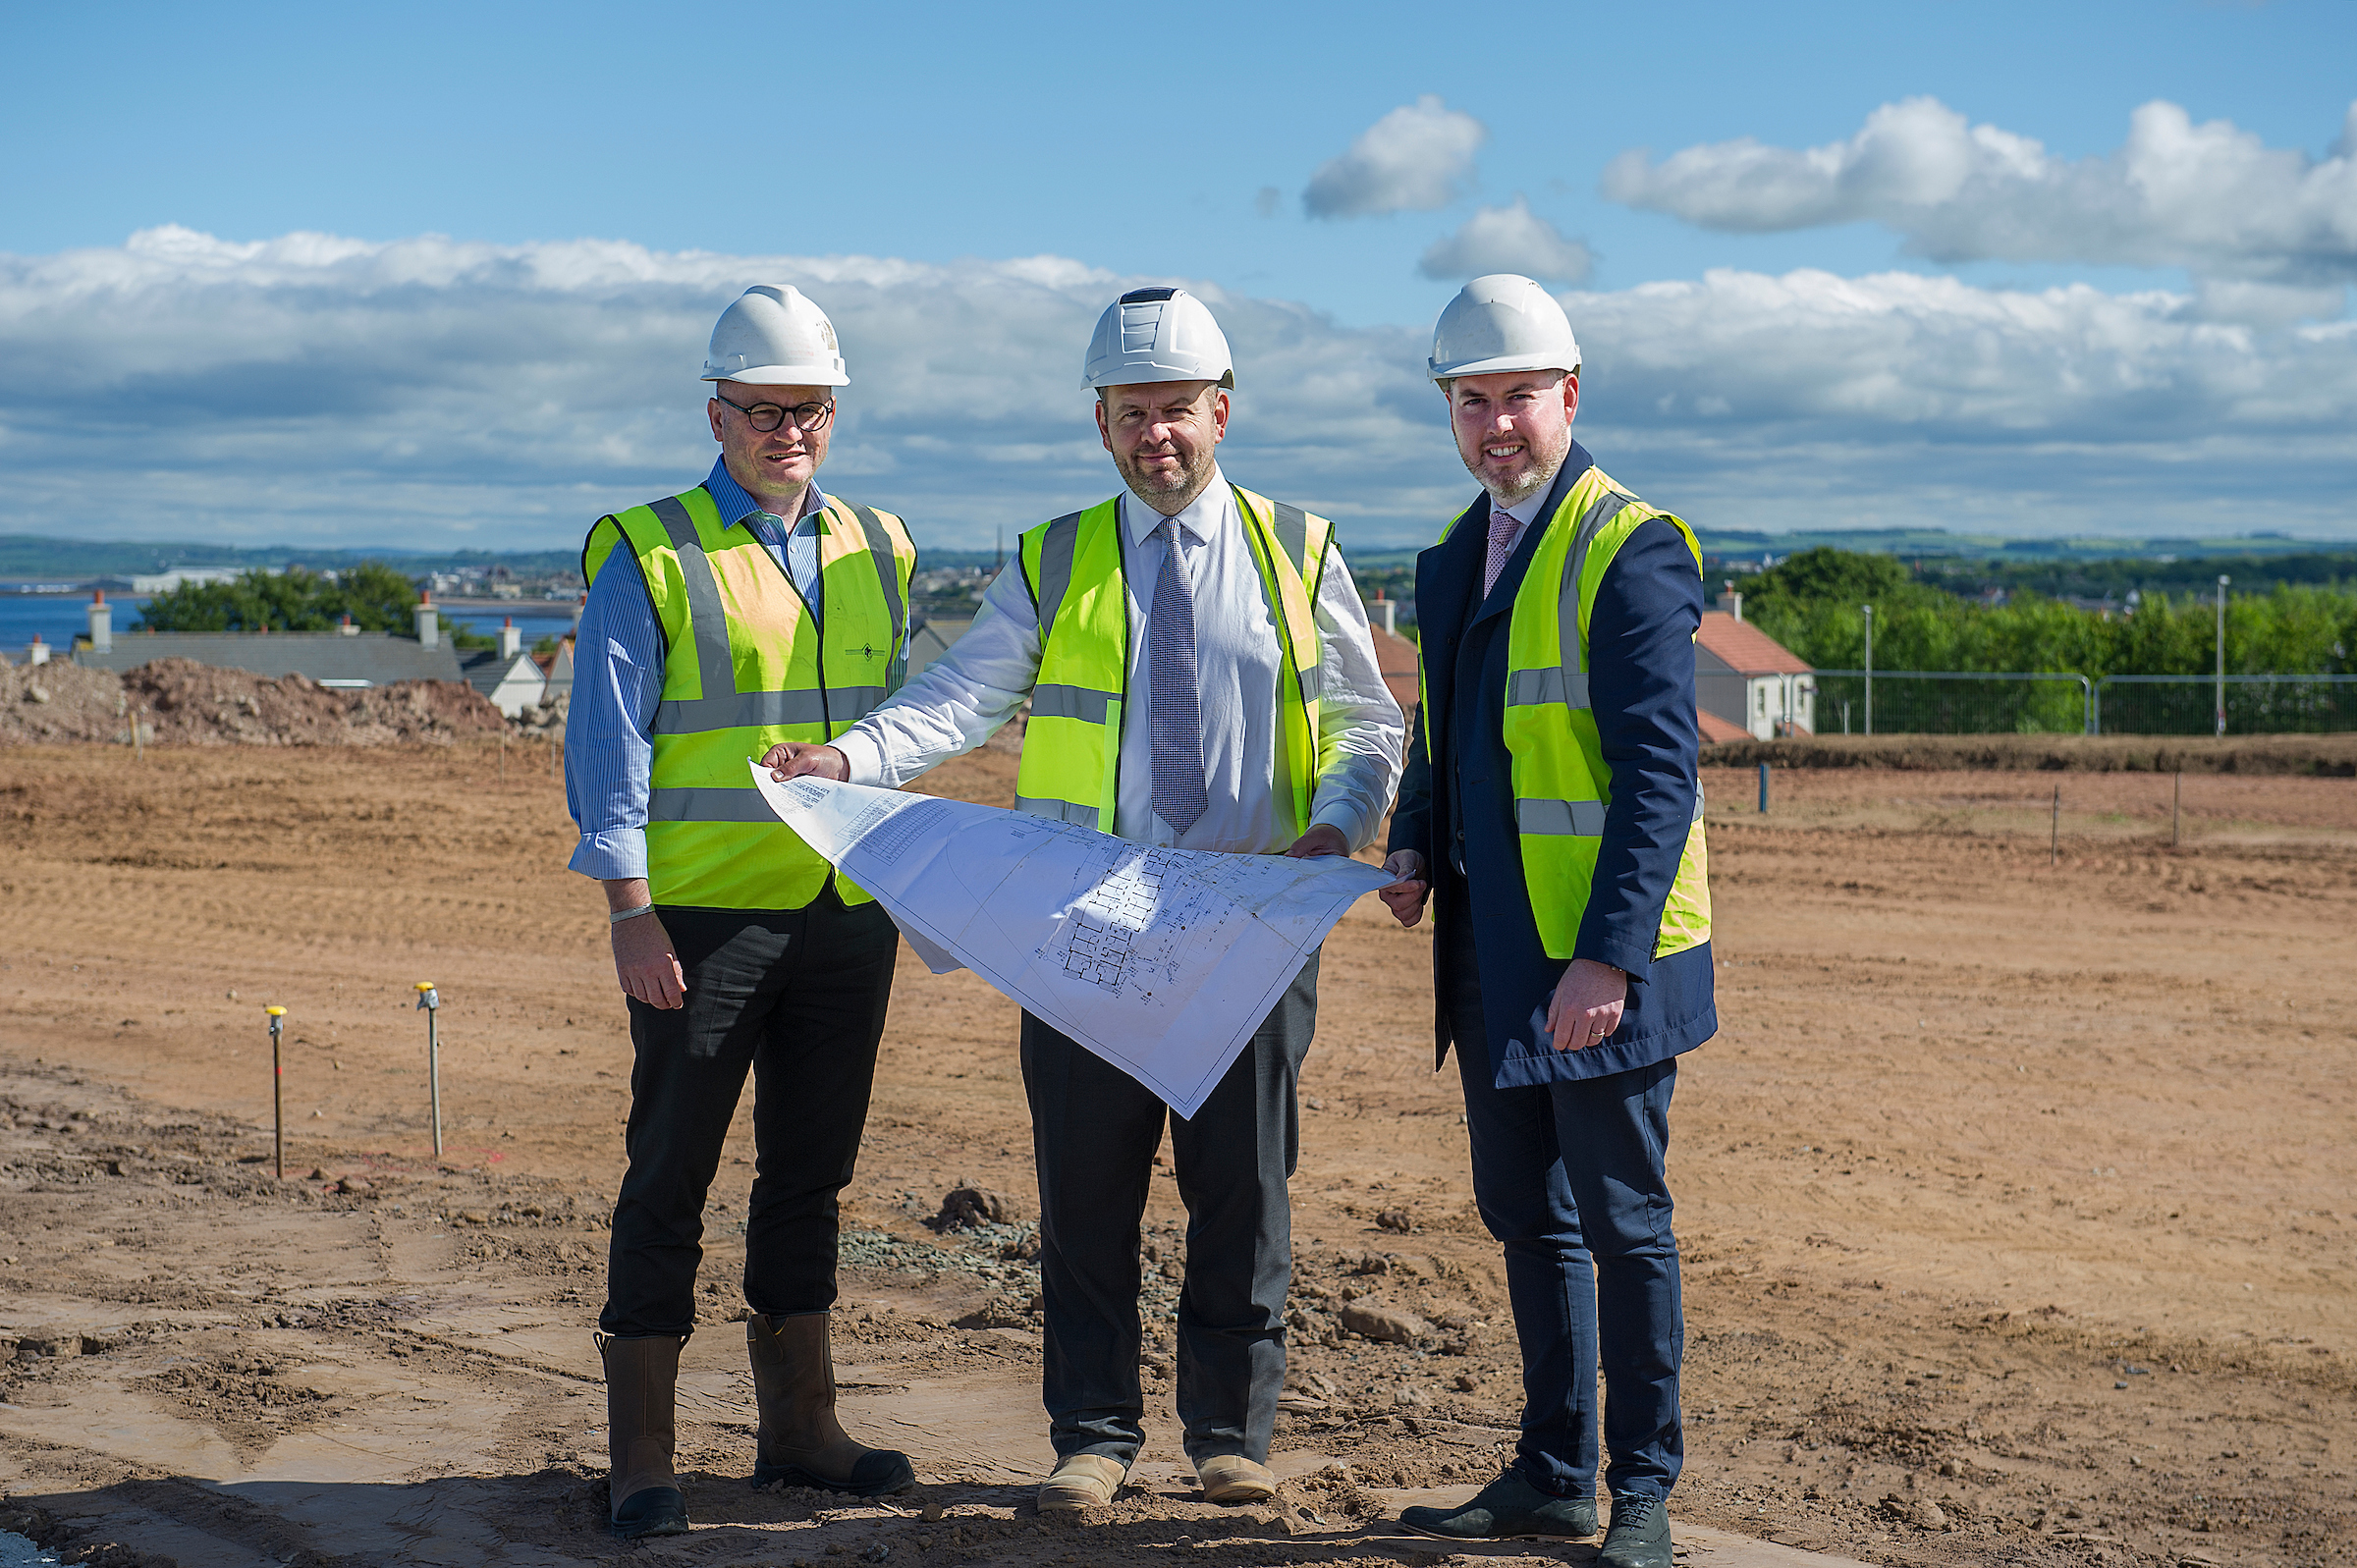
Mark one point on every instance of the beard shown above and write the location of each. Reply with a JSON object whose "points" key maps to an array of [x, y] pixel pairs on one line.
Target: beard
{"points": [[1158, 485], [1526, 481]]}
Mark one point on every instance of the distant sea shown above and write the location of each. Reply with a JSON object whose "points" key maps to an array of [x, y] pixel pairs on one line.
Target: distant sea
{"points": [[61, 617]]}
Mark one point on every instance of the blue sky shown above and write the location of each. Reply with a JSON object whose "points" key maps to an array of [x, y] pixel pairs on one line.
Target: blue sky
{"points": [[534, 206]]}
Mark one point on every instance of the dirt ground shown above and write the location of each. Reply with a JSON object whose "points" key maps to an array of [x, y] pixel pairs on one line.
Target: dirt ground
{"points": [[2018, 1199]]}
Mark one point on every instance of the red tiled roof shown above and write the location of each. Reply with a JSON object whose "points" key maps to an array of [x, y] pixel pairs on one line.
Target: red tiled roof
{"points": [[1396, 656], [1747, 650], [1716, 730]]}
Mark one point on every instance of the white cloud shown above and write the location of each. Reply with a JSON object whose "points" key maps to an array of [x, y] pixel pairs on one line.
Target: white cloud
{"points": [[1510, 239], [443, 393], [2210, 198], [1418, 158]]}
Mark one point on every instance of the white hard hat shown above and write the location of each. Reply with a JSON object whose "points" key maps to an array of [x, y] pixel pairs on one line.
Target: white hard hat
{"points": [[1502, 321], [772, 336], [1156, 335]]}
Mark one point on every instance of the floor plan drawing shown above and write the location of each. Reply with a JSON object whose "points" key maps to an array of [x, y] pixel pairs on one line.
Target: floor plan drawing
{"points": [[1163, 962]]}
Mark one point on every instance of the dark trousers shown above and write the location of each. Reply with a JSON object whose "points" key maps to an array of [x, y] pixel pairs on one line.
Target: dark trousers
{"points": [[799, 996], [1568, 1177], [1094, 1132]]}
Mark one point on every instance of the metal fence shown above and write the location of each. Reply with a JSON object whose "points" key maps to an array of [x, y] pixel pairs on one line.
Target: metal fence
{"points": [[1960, 702], [2187, 705], [1954, 702]]}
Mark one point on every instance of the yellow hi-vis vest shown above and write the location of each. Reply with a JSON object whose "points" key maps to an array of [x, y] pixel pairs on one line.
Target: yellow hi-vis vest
{"points": [[748, 664], [1562, 783], [1070, 767]]}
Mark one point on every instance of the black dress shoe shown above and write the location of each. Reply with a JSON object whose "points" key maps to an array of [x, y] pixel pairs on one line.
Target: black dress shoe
{"points": [[1510, 1508], [653, 1511], [1641, 1534]]}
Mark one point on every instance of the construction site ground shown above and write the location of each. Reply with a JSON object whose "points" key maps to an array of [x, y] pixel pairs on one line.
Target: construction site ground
{"points": [[2017, 1195]]}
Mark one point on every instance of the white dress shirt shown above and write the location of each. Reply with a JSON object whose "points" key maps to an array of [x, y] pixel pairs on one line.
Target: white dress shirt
{"points": [[980, 683]]}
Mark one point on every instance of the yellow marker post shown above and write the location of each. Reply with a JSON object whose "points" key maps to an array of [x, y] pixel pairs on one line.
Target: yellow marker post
{"points": [[430, 1001], [278, 1093]]}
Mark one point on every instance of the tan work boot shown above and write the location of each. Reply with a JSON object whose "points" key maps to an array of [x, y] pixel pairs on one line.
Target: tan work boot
{"points": [[1232, 1477], [641, 1378], [801, 1443], [1080, 1481]]}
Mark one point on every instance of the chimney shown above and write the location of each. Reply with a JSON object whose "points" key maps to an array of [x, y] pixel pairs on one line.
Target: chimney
{"points": [[102, 623], [1390, 612], [510, 641], [38, 652], [348, 629], [1735, 605], [429, 624]]}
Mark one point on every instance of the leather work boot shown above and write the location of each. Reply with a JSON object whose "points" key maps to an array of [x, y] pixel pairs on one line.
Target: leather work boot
{"points": [[1509, 1508], [1080, 1481], [1641, 1534], [1234, 1479], [641, 1376], [801, 1443]]}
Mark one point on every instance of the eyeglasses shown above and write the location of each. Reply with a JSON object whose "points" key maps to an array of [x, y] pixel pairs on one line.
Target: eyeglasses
{"points": [[808, 417]]}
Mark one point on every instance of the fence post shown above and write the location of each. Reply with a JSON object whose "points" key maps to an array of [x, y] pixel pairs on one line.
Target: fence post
{"points": [[2222, 652], [1869, 609]]}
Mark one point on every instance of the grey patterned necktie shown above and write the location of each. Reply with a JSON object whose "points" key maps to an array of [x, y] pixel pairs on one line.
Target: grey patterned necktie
{"points": [[1176, 725]]}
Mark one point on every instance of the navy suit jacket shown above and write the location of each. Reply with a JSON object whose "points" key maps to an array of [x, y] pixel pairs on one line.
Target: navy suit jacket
{"points": [[1456, 801]]}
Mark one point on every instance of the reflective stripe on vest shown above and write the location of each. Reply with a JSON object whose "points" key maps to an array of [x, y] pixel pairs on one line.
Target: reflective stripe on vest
{"points": [[748, 663], [1562, 786], [1073, 566]]}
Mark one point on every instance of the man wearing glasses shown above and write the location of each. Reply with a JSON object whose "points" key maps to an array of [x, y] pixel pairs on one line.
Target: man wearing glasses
{"points": [[751, 610]]}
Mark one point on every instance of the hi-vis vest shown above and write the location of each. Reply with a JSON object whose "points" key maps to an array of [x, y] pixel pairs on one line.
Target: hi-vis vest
{"points": [[1562, 784], [1071, 766], [749, 665]]}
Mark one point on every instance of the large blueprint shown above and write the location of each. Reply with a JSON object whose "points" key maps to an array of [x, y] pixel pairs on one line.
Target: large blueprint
{"points": [[1161, 961]]}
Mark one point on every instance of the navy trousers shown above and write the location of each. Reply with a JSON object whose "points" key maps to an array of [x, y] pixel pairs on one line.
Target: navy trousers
{"points": [[1094, 1130], [1568, 1178]]}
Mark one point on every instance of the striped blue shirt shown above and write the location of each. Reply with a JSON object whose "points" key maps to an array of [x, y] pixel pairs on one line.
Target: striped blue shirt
{"points": [[618, 678]]}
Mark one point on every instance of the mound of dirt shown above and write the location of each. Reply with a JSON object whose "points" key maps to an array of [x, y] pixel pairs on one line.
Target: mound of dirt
{"points": [[54, 702], [2322, 756], [180, 702]]}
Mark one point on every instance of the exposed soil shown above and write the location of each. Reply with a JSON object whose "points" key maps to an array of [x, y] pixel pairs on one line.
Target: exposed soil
{"points": [[2018, 1199], [180, 702]]}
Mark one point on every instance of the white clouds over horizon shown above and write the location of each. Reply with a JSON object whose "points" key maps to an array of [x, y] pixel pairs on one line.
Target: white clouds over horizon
{"points": [[319, 388], [1417, 158], [2210, 198]]}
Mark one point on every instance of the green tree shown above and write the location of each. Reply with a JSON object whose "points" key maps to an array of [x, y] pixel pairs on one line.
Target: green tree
{"points": [[376, 597]]}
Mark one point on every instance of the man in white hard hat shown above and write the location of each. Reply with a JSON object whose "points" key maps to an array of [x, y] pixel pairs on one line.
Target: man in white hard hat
{"points": [[1200, 674], [1553, 812], [751, 609]]}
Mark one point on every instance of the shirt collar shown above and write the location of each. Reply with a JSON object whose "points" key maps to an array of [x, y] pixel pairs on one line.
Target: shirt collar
{"points": [[1204, 517], [735, 502]]}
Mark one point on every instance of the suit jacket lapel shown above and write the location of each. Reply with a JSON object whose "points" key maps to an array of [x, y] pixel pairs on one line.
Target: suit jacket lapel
{"points": [[1447, 578]]}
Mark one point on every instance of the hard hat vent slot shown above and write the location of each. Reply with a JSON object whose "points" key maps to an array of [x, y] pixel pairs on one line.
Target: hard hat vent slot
{"points": [[1140, 297]]}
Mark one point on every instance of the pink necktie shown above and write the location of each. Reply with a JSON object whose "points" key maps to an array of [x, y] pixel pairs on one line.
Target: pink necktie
{"points": [[1503, 528]]}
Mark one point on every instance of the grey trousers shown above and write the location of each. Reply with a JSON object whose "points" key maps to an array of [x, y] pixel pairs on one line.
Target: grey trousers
{"points": [[1094, 1132]]}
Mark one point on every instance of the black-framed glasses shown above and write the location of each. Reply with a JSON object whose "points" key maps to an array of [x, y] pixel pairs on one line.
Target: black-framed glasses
{"points": [[808, 417]]}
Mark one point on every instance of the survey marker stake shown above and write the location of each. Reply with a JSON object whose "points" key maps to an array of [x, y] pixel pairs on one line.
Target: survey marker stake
{"points": [[278, 1094], [431, 1001]]}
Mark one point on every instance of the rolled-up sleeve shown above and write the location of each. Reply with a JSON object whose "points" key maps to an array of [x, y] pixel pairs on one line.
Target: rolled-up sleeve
{"points": [[961, 701], [1641, 681], [609, 756], [1360, 730]]}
